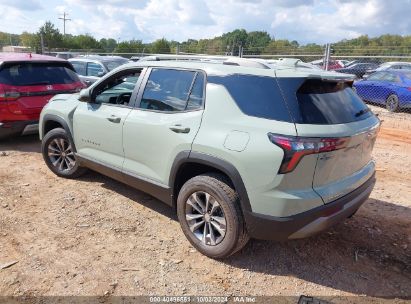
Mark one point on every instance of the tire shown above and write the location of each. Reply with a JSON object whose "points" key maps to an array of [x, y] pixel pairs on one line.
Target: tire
{"points": [[392, 103], [58, 154], [224, 223]]}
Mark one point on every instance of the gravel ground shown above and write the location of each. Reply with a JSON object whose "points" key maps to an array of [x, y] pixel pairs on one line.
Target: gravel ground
{"points": [[96, 236]]}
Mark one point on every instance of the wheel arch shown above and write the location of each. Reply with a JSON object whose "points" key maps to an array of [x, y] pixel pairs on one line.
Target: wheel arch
{"points": [[391, 92], [51, 121], [189, 164]]}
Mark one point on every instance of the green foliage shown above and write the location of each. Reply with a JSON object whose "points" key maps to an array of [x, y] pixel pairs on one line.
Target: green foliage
{"points": [[132, 46], [30, 40], [9, 39], [87, 42], [81, 42], [394, 45], [51, 36], [108, 45], [161, 46]]}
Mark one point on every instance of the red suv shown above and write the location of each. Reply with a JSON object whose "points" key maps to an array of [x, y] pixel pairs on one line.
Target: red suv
{"points": [[27, 82]]}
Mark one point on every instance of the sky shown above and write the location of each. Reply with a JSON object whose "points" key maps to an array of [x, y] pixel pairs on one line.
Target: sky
{"points": [[307, 21]]}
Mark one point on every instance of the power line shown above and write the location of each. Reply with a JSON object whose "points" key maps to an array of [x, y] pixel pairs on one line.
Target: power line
{"points": [[64, 22]]}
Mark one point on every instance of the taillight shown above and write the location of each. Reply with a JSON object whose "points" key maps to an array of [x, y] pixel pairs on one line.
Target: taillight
{"points": [[9, 95], [295, 148]]}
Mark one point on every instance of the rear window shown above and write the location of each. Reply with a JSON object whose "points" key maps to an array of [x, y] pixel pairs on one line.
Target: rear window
{"points": [[34, 73], [322, 102], [255, 95]]}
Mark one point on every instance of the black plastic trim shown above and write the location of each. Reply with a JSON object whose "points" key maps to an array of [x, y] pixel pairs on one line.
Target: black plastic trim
{"points": [[185, 157], [161, 192], [16, 128], [62, 122], [265, 227]]}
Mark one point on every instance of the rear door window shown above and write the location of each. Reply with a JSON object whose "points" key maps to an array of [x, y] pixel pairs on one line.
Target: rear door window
{"points": [[196, 97], [94, 69], [80, 67], [390, 77], [37, 73]]}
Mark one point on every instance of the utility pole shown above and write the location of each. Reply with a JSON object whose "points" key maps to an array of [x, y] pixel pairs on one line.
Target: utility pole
{"points": [[42, 43], [326, 56], [64, 22]]}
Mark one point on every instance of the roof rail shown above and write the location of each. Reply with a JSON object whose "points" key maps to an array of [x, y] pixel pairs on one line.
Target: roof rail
{"points": [[246, 63], [158, 57], [227, 60], [289, 63]]}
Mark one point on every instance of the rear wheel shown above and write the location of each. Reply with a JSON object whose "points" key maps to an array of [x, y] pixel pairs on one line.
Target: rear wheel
{"points": [[59, 155], [392, 103], [208, 209]]}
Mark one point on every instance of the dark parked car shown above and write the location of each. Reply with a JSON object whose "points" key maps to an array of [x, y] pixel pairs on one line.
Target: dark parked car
{"points": [[390, 88], [27, 82], [358, 69], [91, 68]]}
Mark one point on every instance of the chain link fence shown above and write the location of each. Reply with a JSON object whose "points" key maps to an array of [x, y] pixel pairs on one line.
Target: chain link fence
{"points": [[383, 76]]}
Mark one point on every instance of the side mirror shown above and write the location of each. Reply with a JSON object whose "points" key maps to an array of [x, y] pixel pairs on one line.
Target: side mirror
{"points": [[85, 95], [101, 74]]}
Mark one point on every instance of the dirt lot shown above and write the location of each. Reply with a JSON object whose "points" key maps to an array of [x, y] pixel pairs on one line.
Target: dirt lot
{"points": [[95, 236]]}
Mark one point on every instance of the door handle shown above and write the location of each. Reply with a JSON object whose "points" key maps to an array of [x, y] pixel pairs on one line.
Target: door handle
{"points": [[179, 129], [114, 119]]}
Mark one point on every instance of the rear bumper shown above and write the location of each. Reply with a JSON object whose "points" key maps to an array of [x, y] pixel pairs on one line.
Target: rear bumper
{"points": [[16, 128], [310, 222]]}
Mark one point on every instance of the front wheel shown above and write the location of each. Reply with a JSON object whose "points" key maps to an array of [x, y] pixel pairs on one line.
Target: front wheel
{"points": [[392, 103], [59, 155], [208, 209]]}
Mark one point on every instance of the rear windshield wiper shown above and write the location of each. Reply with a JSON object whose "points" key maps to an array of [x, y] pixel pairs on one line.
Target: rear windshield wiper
{"points": [[362, 112]]}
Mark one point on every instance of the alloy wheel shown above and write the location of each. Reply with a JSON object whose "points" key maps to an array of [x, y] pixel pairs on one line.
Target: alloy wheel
{"points": [[61, 154], [392, 103], [205, 218]]}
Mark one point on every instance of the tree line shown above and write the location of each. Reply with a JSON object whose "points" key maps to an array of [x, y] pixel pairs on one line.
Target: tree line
{"points": [[232, 43]]}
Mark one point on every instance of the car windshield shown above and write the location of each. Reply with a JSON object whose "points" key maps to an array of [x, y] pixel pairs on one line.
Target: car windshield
{"points": [[111, 65]]}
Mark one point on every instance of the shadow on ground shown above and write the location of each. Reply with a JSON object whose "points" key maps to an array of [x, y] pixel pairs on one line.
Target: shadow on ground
{"points": [[29, 143], [142, 198], [367, 254]]}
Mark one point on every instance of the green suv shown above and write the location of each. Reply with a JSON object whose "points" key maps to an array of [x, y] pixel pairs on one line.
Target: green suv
{"points": [[240, 148]]}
